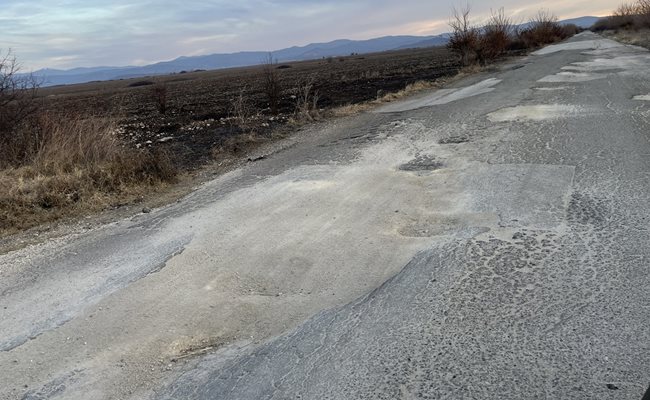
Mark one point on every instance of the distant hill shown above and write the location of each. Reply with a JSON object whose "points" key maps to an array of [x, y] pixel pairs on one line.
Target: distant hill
{"points": [[582, 22], [343, 47], [335, 48]]}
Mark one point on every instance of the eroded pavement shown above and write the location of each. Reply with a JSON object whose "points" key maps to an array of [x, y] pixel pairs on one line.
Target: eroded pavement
{"points": [[489, 240]]}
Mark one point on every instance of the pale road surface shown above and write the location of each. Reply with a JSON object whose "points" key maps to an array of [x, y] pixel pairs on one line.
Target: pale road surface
{"points": [[489, 240]]}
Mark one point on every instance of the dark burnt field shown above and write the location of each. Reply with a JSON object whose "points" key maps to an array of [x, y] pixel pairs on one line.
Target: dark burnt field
{"points": [[207, 111]]}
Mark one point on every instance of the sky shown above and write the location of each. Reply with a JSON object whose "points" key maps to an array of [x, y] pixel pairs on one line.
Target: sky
{"points": [[75, 33]]}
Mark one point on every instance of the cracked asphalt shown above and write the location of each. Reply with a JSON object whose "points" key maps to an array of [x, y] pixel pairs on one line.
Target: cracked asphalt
{"points": [[485, 241]]}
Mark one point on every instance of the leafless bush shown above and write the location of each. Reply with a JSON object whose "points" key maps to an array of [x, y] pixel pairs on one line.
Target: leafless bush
{"points": [[499, 35], [571, 30], [307, 101], [159, 94], [643, 17], [17, 98], [542, 29], [628, 16], [465, 37], [496, 36], [272, 86], [242, 110]]}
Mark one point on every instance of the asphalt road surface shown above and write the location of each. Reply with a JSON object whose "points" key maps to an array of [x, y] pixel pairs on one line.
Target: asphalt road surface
{"points": [[484, 241]]}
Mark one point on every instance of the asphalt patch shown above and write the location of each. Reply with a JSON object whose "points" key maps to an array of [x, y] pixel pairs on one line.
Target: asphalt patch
{"points": [[422, 163]]}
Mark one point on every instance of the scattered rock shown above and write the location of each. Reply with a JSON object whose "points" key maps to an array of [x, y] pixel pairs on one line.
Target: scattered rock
{"points": [[611, 386], [165, 139], [146, 210]]}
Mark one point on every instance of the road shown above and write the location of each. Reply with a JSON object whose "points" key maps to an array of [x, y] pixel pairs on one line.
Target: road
{"points": [[488, 240]]}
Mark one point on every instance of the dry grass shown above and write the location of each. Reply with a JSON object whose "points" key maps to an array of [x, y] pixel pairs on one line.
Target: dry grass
{"points": [[307, 101], [75, 166], [409, 90], [639, 37], [238, 145]]}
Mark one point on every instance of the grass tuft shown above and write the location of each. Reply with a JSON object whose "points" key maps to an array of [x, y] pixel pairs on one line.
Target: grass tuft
{"points": [[74, 165]]}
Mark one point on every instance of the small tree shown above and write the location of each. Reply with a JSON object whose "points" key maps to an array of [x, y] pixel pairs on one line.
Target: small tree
{"points": [[272, 86], [465, 37], [307, 100], [496, 35], [17, 92], [542, 29], [17, 104], [159, 95], [242, 110]]}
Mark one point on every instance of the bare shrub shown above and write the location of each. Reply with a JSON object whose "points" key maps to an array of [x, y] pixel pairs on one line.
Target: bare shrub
{"points": [[159, 94], [542, 29], [242, 110], [465, 37], [307, 101], [643, 16], [480, 45], [142, 83], [571, 30], [17, 103], [271, 84], [628, 16], [496, 36]]}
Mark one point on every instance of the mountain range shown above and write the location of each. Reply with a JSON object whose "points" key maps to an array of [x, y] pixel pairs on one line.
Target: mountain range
{"points": [[50, 77]]}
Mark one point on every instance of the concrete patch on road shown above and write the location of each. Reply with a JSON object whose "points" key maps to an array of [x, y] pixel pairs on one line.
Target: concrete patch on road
{"points": [[597, 44], [616, 62], [610, 58], [575, 77], [533, 113], [552, 88], [443, 96]]}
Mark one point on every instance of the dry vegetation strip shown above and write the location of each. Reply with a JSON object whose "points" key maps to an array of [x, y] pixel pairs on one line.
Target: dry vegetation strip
{"points": [[481, 44], [628, 16], [629, 23], [72, 150], [53, 165]]}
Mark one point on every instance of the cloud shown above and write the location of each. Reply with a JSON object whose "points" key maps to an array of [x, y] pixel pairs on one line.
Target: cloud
{"points": [[70, 33]]}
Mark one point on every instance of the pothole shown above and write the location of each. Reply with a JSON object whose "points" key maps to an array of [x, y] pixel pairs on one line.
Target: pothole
{"points": [[533, 113], [422, 163], [454, 140]]}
